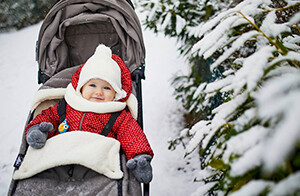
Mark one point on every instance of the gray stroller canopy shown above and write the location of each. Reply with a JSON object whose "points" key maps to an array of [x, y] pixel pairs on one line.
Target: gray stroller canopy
{"points": [[74, 28]]}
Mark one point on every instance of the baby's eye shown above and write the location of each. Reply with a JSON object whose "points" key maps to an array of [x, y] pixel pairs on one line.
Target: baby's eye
{"points": [[92, 85], [107, 88]]}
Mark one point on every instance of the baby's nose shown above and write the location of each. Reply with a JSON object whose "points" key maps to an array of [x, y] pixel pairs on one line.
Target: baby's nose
{"points": [[99, 92]]}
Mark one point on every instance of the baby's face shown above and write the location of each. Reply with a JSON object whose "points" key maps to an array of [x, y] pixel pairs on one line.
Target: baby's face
{"points": [[98, 90]]}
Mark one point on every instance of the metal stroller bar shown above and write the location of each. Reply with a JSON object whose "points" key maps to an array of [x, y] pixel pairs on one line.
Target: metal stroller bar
{"points": [[137, 76]]}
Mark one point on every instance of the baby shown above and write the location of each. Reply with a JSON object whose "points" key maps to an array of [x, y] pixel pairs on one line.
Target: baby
{"points": [[98, 88]]}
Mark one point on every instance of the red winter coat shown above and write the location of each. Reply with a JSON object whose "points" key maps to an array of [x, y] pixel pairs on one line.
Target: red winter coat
{"points": [[126, 130]]}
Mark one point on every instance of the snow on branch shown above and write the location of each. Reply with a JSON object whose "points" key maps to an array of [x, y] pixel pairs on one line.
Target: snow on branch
{"points": [[256, 129]]}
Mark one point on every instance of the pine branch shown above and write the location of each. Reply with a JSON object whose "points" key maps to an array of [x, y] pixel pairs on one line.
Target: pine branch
{"points": [[263, 34]]}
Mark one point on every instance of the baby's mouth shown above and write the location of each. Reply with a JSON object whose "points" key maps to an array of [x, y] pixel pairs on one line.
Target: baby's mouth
{"points": [[98, 99]]}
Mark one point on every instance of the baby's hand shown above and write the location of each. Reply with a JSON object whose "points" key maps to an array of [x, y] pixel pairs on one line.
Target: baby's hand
{"points": [[37, 134], [141, 168]]}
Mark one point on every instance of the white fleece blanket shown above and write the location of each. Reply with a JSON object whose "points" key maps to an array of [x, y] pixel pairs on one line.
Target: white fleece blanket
{"points": [[91, 150]]}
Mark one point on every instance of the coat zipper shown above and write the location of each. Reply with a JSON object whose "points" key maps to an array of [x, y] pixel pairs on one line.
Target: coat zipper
{"points": [[71, 169], [81, 121]]}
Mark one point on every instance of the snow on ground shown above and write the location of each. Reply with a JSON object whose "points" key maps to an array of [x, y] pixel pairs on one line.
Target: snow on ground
{"points": [[18, 84], [162, 116]]}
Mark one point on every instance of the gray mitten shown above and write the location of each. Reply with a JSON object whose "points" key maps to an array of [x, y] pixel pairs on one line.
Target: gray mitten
{"points": [[37, 134], [141, 168]]}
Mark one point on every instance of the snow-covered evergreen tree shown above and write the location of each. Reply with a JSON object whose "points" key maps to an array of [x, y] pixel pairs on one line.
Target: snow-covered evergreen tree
{"points": [[247, 132], [21, 13]]}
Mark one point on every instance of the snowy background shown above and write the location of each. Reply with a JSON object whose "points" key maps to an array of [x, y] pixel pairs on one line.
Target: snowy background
{"points": [[162, 115]]}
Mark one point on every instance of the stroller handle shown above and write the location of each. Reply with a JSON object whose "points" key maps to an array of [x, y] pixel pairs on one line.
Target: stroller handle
{"points": [[137, 76]]}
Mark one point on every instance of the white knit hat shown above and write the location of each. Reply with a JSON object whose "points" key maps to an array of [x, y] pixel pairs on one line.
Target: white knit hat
{"points": [[101, 65]]}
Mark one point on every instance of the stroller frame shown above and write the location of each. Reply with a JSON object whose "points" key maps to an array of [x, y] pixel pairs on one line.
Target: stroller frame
{"points": [[129, 47]]}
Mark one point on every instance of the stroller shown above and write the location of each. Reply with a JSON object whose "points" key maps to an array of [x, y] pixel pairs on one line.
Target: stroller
{"points": [[69, 35]]}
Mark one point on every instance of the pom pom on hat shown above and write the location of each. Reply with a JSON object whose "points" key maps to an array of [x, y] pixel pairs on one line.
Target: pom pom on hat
{"points": [[101, 65]]}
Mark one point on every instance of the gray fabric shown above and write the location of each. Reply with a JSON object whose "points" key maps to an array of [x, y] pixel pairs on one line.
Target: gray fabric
{"points": [[73, 29], [76, 180], [61, 79]]}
